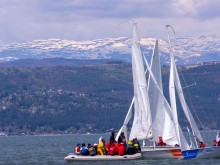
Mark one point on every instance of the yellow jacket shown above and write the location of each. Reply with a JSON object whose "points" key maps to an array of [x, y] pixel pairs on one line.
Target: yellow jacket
{"points": [[101, 148]]}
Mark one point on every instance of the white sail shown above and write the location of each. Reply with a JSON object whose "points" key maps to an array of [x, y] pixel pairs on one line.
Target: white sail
{"points": [[162, 123], [142, 123], [179, 90], [167, 105], [185, 107], [182, 141]]}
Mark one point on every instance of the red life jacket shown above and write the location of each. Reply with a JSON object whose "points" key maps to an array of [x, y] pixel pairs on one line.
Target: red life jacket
{"points": [[77, 150], [121, 149], [202, 145], [112, 150]]}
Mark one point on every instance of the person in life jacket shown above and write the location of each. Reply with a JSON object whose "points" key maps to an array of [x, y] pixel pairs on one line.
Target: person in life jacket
{"points": [[123, 138], [120, 146], [218, 139], [131, 149], [84, 150], [77, 149], [112, 149], [202, 145], [136, 144], [160, 142], [101, 149]]}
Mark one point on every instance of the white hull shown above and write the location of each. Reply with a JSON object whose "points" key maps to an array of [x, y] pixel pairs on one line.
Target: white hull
{"points": [[209, 153], [72, 157], [161, 153], [175, 153]]}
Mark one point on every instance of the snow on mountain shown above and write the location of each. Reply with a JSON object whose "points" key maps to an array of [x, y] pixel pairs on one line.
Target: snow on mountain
{"points": [[187, 50]]}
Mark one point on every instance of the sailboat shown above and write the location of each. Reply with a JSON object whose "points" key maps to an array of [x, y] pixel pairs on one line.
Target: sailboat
{"points": [[174, 83], [152, 113]]}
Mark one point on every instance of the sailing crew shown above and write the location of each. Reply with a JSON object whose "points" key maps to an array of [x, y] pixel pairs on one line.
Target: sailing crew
{"points": [[101, 149], [120, 146], [202, 145], [123, 138], [131, 149], [77, 149], [112, 149], [92, 150], [136, 144], [84, 150], [111, 146], [160, 142], [218, 138]]}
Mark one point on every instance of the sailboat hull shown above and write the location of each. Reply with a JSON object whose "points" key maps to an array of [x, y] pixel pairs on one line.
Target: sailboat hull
{"points": [[161, 153], [209, 153], [73, 157]]}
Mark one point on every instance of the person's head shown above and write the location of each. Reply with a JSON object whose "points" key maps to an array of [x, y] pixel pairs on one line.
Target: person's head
{"points": [[112, 137], [78, 145], [119, 139], [83, 145], [89, 145]]}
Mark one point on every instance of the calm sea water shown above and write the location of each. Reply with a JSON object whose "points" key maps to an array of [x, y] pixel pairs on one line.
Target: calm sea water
{"points": [[51, 150]]}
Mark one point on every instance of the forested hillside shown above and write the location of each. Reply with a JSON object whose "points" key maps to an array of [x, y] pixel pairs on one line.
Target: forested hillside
{"points": [[91, 98]]}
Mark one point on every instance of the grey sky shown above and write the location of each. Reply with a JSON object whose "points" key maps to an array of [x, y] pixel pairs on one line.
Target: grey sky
{"points": [[26, 20]]}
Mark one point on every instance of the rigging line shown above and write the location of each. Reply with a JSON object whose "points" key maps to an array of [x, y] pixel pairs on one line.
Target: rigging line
{"points": [[169, 26], [190, 99]]}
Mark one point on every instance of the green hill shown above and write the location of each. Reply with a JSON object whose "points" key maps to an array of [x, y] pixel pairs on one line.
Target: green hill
{"points": [[90, 98]]}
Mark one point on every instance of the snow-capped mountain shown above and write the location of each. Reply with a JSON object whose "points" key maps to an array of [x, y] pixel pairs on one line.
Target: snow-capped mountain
{"points": [[187, 50]]}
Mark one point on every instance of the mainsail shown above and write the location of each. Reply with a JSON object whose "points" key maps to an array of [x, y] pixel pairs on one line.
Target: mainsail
{"points": [[182, 141], [175, 83], [142, 123], [185, 107], [162, 123]]}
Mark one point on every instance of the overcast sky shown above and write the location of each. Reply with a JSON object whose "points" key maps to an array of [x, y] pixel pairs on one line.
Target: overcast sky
{"points": [[26, 20]]}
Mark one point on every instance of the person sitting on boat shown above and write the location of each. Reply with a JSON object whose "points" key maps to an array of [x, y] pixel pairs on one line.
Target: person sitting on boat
{"points": [[92, 150], [101, 149], [131, 149], [136, 144], [120, 146], [160, 142], [202, 145], [84, 150], [112, 149], [123, 138], [77, 149], [218, 139], [95, 147]]}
